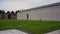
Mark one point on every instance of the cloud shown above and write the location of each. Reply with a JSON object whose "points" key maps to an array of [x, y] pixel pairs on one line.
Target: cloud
{"points": [[14, 5], [35, 3], [23, 4]]}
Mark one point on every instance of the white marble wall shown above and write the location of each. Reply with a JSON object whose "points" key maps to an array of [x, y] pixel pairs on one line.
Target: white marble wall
{"points": [[50, 13]]}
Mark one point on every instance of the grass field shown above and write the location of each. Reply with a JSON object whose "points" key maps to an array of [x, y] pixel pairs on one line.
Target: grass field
{"points": [[33, 26]]}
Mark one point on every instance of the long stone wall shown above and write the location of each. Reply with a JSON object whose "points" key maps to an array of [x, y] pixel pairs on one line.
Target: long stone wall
{"points": [[48, 13]]}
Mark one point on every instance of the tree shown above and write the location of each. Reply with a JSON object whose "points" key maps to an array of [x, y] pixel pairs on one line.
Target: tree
{"points": [[3, 14], [12, 12], [16, 11], [9, 15], [0, 11], [8, 12]]}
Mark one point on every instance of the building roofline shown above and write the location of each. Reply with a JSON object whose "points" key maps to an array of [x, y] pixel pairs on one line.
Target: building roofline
{"points": [[45, 6]]}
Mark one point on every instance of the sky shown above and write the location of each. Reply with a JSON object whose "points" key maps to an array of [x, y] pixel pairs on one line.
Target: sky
{"points": [[9, 5]]}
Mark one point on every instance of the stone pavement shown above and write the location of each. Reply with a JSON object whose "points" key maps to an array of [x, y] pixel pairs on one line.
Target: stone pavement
{"points": [[12, 31], [54, 32]]}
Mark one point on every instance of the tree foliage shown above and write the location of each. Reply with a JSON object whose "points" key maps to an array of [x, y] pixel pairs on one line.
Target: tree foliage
{"points": [[3, 12], [8, 11], [12, 12], [0, 11]]}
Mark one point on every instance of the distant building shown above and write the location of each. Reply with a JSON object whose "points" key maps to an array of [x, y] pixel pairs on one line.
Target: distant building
{"points": [[47, 12], [8, 16]]}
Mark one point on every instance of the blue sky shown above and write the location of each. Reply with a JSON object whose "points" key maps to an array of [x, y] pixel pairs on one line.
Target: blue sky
{"points": [[9, 5]]}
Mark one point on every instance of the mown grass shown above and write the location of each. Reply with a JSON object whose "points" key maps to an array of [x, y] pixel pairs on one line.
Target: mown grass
{"points": [[33, 26]]}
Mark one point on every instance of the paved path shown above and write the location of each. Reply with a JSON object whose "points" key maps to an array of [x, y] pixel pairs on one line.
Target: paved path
{"points": [[12, 31], [54, 32]]}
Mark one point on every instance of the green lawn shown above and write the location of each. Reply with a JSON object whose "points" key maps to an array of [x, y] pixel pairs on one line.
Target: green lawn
{"points": [[33, 26]]}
